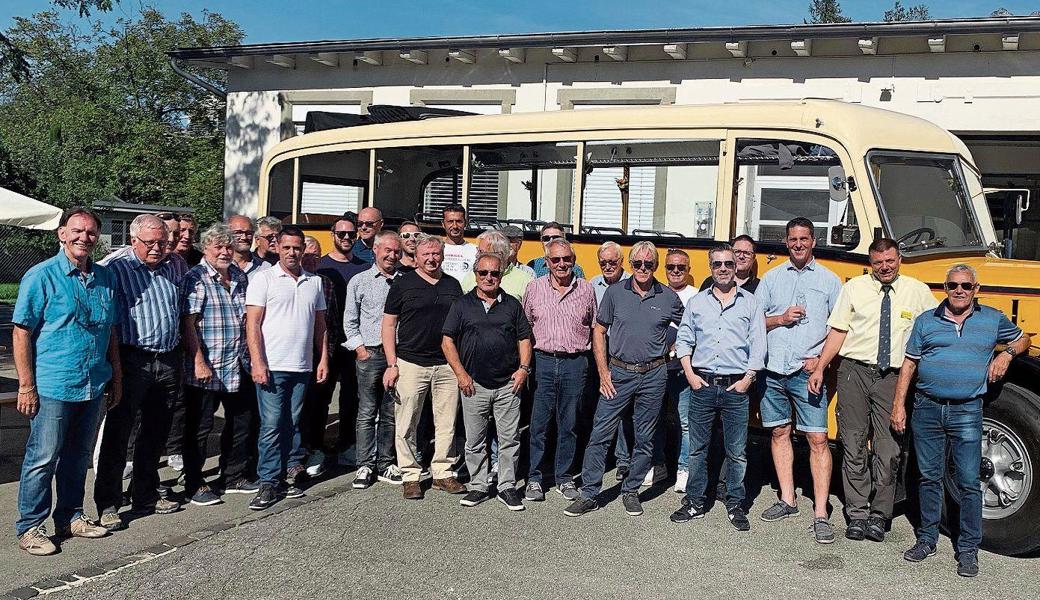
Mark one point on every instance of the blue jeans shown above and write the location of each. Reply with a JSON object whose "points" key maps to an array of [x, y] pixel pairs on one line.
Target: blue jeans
{"points": [[645, 393], [560, 385], [955, 429], [679, 389], [783, 391], [375, 416], [280, 403], [732, 407], [60, 444]]}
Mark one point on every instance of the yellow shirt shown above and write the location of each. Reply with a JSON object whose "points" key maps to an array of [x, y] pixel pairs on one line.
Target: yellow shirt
{"points": [[514, 282], [858, 311]]}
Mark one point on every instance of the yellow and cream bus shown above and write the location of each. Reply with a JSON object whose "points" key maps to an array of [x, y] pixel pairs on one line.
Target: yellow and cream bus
{"points": [[689, 177]]}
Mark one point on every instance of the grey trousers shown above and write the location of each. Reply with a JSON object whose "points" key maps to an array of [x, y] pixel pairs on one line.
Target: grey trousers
{"points": [[504, 405], [864, 409]]}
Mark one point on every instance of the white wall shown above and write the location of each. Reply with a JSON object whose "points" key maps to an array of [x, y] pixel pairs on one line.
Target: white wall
{"points": [[254, 121]]}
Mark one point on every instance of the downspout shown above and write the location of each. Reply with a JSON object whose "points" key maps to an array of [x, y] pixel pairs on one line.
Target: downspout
{"points": [[195, 79]]}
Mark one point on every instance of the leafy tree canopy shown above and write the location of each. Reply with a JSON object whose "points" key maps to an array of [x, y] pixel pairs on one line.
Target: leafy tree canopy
{"points": [[898, 12], [826, 11]]}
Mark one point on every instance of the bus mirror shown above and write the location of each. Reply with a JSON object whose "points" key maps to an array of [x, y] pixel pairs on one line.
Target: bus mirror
{"points": [[838, 184], [845, 235]]}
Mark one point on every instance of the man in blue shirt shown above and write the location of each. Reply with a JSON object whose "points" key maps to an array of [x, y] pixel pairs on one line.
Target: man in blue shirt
{"points": [[551, 231], [797, 297], [721, 345], [951, 351], [65, 351]]}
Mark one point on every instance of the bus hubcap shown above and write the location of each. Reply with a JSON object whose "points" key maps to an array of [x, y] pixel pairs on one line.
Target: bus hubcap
{"points": [[1006, 473]]}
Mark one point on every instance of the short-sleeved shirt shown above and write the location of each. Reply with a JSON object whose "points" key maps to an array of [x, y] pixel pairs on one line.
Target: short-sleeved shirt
{"points": [[421, 308], [363, 252], [341, 272], [290, 304], [459, 259], [600, 285], [149, 300], [220, 327], [726, 340], [70, 315], [858, 312], [541, 268], [816, 288], [953, 360], [256, 264], [514, 281], [561, 322], [487, 337], [637, 326]]}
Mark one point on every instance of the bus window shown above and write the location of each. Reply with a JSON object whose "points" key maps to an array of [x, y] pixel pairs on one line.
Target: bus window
{"points": [[332, 184], [280, 190], [660, 185], [778, 180], [415, 180], [524, 181]]}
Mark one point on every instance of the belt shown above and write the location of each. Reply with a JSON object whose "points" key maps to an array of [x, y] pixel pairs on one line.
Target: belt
{"points": [[152, 354], [378, 348], [719, 380], [874, 368], [642, 367], [947, 401], [561, 354]]}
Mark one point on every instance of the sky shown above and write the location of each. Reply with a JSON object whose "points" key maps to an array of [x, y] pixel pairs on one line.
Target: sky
{"points": [[303, 20]]}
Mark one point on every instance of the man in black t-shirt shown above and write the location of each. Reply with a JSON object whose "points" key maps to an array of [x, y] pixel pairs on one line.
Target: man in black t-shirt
{"points": [[487, 341], [744, 254], [411, 332]]}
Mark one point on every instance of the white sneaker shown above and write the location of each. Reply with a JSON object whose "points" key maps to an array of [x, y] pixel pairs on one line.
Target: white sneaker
{"points": [[347, 458], [391, 475], [315, 464], [680, 481], [656, 474], [363, 479], [175, 462]]}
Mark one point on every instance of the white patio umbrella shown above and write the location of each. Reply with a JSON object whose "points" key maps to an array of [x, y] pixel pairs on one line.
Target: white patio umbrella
{"points": [[23, 211]]}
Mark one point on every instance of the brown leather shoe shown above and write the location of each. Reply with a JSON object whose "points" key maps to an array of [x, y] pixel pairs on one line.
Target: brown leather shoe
{"points": [[412, 490], [450, 485]]}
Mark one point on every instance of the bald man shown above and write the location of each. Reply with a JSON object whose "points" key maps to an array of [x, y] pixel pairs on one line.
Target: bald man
{"points": [[369, 223]]}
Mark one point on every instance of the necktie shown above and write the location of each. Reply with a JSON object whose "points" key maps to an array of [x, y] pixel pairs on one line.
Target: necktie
{"points": [[884, 351]]}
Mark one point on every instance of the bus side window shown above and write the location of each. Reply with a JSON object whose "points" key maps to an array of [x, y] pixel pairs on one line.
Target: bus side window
{"points": [[522, 181], [778, 180], [417, 180], [331, 184]]}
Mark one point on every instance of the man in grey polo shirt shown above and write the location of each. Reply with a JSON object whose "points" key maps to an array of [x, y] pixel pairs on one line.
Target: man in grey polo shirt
{"points": [[637, 315]]}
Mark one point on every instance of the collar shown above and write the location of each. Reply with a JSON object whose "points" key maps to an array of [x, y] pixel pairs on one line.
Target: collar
{"points": [[809, 266], [376, 273], [304, 273], [473, 292], [655, 286], [876, 284], [601, 280], [68, 267], [940, 311]]}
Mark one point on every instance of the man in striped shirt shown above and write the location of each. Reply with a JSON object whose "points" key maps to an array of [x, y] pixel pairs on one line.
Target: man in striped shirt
{"points": [[562, 310], [147, 282]]}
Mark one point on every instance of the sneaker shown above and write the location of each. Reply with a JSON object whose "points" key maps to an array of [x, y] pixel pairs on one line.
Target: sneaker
{"points": [[82, 527], [264, 498], [347, 458], [569, 491], [633, 507], [823, 531], [688, 511], [111, 521], [363, 479], [875, 530], [36, 542], [534, 492], [681, 477], [581, 506], [425, 475], [474, 498], [128, 469], [295, 473], [968, 563], [242, 486], [511, 498], [315, 464], [919, 552], [738, 518], [204, 496], [648, 479], [778, 511], [162, 506], [856, 530], [621, 474], [175, 462], [391, 475], [291, 492]]}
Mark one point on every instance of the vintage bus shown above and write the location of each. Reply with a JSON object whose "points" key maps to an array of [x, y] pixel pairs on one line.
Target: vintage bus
{"points": [[689, 177]]}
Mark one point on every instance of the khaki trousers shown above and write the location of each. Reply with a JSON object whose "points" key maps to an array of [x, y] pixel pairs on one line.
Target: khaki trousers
{"points": [[413, 385]]}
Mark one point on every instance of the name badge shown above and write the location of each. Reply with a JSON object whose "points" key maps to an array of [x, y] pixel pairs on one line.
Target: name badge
{"points": [[909, 316]]}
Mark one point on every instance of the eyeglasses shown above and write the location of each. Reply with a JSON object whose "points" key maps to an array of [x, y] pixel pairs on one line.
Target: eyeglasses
{"points": [[369, 224], [609, 263], [744, 253], [493, 274], [549, 238], [271, 238], [155, 243], [558, 259], [967, 286], [168, 216], [247, 233], [718, 264], [639, 265], [676, 267], [409, 235], [345, 234]]}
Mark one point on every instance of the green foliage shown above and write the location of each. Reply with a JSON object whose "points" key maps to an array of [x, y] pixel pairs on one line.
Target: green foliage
{"points": [[826, 11], [8, 292], [102, 115], [899, 12]]}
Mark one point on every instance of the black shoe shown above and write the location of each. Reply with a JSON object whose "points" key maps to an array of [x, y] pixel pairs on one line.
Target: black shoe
{"points": [[919, 552], [581, 506], [633, 507], [364, 478], [738, 518], [856, 530], [688, 511], [875, 530], [291, 491], [242, 486], [621, 474], [264, 498], [511, 498], [474, 498], [968, 563]]}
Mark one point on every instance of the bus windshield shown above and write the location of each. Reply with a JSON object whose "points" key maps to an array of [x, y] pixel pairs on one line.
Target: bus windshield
{"points": [[924, 201]]}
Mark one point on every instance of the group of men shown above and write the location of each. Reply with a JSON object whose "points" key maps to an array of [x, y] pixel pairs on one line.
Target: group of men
{"points": [[396, 318]]}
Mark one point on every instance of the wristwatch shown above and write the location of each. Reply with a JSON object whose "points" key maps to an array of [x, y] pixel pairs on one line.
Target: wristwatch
{"points": [[393, 366], [525, 369], [1010, 352], [752, 375]]}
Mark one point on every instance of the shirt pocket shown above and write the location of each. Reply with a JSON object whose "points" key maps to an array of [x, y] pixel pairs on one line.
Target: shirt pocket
{"points": [[902, 317]]}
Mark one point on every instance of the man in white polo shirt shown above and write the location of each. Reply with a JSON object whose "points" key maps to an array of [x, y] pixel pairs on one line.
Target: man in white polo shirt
{"points": [[285, 328]]}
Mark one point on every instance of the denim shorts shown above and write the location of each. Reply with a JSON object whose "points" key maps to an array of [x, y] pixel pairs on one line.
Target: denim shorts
{"points": [[783, 391]]}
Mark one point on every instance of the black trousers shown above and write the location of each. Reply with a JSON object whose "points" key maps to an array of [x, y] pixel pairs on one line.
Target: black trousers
{"points": [[200, 405], [315, 417], [151, 383]]}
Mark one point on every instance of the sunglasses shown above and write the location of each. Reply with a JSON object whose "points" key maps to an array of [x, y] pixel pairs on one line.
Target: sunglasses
{"points": [[369, 224], [609, 263], [639, 265], [718, 264], [493, 274], [345, 234], [559, 259], [549, 238], [271, 238], [676, 267], [410, 234], [967, 286]]}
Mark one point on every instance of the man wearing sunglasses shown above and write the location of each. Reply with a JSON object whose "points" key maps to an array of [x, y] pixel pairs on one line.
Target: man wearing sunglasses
{"points": [[551, 231], [370, 223], [632, 372], [868, 328], [514, 281], [409, 233], [267, 229], [242, 231], [677, 271], [951, 349], [744, 252], [459, 255]]}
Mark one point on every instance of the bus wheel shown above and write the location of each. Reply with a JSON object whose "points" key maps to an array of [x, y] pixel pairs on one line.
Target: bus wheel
{"points": [[1008, 474]]}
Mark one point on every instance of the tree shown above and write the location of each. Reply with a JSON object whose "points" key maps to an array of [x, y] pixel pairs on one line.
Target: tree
{"points": [[12, 59], [901, 13], [1002, 12], [826, 11]]}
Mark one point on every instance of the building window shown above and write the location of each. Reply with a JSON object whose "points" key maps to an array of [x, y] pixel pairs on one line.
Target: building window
{"points": [[120, 233]]}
